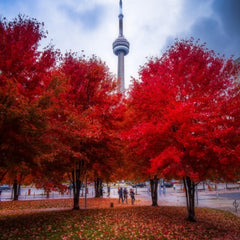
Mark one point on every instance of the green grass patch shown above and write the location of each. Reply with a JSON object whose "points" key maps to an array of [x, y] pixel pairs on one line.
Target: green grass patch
{"points": [[121, 223]]}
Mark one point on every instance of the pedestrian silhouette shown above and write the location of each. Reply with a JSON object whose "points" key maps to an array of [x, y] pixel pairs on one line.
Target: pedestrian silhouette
{"points": [[120, 195], [132, 195], [125, 195]]}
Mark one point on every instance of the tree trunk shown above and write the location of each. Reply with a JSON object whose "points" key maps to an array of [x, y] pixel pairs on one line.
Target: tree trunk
{"points": [[19, 189], [48, 193], [15, 190], [76, 182], [3, 175], [154, 193], [98, 188], [190, 193]]}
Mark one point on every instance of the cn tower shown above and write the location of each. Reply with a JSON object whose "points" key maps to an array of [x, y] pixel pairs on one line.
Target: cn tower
{"points": [[121, 48]]}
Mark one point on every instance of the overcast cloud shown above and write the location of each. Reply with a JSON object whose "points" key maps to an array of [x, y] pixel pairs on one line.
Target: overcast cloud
{"points": [[149, 25]]}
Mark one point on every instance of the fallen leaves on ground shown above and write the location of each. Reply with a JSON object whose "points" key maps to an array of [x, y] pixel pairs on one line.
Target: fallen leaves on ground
{"points": [[16, 207], [139, 222]]}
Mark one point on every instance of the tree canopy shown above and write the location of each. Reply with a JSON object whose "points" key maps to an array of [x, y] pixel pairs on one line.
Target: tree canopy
{"points": [[186, 114]]}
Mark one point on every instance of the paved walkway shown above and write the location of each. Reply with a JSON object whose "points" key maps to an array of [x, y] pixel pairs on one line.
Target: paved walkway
{"points": [[222, 199], [219, 200]]}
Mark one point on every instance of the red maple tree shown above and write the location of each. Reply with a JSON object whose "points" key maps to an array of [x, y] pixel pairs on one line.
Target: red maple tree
{"points": [[186, 108], [24, 76], [83, 120]]}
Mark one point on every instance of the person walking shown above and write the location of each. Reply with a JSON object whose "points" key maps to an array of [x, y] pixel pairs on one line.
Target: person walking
{"points": [[125, 195], [120, 195], [132, 195]]}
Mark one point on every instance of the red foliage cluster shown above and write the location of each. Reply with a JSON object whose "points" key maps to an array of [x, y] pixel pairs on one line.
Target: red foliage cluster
{"points": [[185, 124], [24, 76], [21, 61]]}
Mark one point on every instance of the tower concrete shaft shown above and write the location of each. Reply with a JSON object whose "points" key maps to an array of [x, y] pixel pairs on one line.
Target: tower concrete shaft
{"points": [[121, 48]]}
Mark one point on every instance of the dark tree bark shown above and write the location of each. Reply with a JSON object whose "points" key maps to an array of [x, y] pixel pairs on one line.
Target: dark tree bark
{"points": [[3, 174], [190, 198], [154, 188], [47, 193], [19, 189], [76, 182], [98, 187], [15, 190]]}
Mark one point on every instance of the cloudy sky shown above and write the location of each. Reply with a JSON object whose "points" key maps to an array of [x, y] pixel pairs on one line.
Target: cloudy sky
{"points": [[149, 25]]}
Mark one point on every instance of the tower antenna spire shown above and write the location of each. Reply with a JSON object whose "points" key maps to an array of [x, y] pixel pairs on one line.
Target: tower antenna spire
{"points": [[120, 6], [121, 48], [120, 16]]}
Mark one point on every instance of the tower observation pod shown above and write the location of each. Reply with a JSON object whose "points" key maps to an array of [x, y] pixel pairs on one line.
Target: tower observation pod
{"points": [[121, 48]]}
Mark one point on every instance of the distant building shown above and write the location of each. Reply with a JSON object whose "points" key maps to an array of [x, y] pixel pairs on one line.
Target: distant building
{"points": [[121, 48]]}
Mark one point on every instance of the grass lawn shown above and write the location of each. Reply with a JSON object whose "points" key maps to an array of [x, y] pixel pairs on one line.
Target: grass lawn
{"points": [[29, 220]]}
